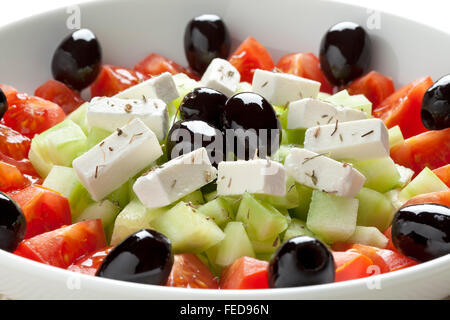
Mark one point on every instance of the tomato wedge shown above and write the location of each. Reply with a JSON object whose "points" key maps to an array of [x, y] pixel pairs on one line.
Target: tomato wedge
{"points": [[246, 273], [351, 265], [10, 92], [388, 234], [60, 94], [444, 174], [248, 57], [305, 65], [430, 149], [441, 197], [374, 85], [61, 247], [23, 165], [13, 144], [44, 210], [188, 271], [11, 178], [402, 108], [90, 263], [155, 64], [113, 79], [32, 115]]}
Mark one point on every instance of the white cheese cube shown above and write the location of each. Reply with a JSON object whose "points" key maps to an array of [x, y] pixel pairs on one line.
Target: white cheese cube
{"points": [[116, 159], [281, 88], [113, 113], [360, 140], [159, 87], [319, 172], [253, 176], [308, 112], [221, 76], [175, 179]]}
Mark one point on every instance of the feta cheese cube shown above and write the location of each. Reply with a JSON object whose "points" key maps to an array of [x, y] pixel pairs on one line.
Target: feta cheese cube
{"points": [[308, 112], [319, 172], [253, 176], [175, 179], [116, 159], [221, 76], [281, 88], [113, 113], [360, 140], [159, 87]]}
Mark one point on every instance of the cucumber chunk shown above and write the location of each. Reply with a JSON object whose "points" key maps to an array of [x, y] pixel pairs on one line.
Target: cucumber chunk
{"points": [[195, 198], [289, 201], [344, 99], [406, 175], [95, 136], [395, 136], [304, 197], [331, 217], [374, 210], [296, 228], [425, 182], [262, 220], [220, 210], [189, 230], [267, 246], [369, 236], [79, 117]]}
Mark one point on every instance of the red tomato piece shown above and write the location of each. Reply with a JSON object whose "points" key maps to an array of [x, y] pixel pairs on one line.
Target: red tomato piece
{"points": [[114, 79], [351, 265], [13, 144], [388, 234], [189, 271], [402, 108], [23, 165], [60, 94], [248, 57], [305, 65], [32, 115], [441, 197], [155, 64], [45, 210], [11, 178], [10, 92], [61, 247], [430, 149], [374, 85], [444, 174], [246, 273], [90, 263]]}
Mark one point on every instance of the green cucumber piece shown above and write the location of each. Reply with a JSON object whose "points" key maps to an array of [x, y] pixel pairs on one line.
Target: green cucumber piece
{"points": [[374, 210], [195, 198], [369, 236], [281, 154], [244, 87], [95, 136], [210, 196], [331, 217], [79, 117], [219, 209], [121, 196], [395, 136], [406, 175], [289, 201], [344, 99], [304, 196], [262, 220], [297, 228], [425, 182], [189, 230], [266, 246], [393, 197]]}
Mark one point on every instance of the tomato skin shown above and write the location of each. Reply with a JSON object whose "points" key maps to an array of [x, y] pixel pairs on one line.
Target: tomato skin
{"points": [[374, 85], [60, 94], [351, 265], [388, 234], [444, 174], [441, 197], [248, 57], [11, 178], [245, 273], [61, 247], [188, 271], [430, 149], [402, 108], [44, 209], [114, 79], [305, 65], [10, 92], [31, 115], [13, 144], [23, 165], [155, 64], [89, 264]]}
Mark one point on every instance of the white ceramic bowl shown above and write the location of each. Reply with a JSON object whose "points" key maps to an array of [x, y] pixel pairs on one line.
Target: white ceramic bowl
{"points": [[129, 30]]}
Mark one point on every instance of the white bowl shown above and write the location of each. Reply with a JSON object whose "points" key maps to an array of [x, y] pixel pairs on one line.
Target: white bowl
{"points": [[129, 30]]}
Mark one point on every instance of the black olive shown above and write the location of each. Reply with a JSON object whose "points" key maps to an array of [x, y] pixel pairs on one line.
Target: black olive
{"points": [[78, 59], [188, 135], [422, 231], [3, 104], [436, 105], [12, 224], [144, 257], [206, 37], [301, 261], [203, 104], [345, 52], [255, 124]]}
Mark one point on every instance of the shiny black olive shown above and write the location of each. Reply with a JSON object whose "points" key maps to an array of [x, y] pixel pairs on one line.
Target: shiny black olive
{"points": [[422, 231], [3, 104], [12, 224], [255, 124], [78, 59], [345, 52], [144, 257], [436, 105], [203, 104], [188, 135], [206, 37], [301, 261]]}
